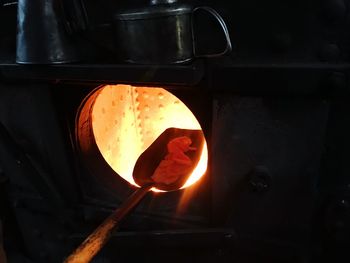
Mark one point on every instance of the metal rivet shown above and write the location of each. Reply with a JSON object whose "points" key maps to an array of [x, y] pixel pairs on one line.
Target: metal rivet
{"points": [[260, 179]]}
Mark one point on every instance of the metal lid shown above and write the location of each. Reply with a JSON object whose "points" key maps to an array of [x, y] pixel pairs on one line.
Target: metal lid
{"points": [[153, 11]]}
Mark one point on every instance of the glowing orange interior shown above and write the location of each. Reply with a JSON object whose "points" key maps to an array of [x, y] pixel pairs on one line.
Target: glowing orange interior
{"points": [[126, 120]]}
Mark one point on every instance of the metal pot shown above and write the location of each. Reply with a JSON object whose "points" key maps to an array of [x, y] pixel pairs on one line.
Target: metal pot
{"points": [[41, 34], [161, 33]]}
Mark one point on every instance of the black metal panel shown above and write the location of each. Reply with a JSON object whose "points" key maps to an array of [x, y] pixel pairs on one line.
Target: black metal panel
{"points": [[169, 75], [266, 158]]}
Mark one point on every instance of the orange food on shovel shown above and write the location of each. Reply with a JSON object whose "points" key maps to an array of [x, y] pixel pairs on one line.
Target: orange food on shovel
{"points": [[170, 159], [176, 163]]}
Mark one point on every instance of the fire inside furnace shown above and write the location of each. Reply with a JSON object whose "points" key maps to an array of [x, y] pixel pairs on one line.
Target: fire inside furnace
{"points": [[126, 120]]}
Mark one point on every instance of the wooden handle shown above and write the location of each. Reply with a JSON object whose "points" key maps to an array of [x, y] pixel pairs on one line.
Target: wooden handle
{"points": [[93, 244]]}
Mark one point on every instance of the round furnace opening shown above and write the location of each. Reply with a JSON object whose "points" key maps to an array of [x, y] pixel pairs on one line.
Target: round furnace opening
{"points": [[125, 120]]}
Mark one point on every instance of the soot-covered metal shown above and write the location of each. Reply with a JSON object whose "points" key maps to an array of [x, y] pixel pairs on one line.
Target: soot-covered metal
{"points": [[274, 113]]}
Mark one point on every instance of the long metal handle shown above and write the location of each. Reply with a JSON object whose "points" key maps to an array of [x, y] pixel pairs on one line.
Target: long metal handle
{"points": [[93, 244], [222, 23]]}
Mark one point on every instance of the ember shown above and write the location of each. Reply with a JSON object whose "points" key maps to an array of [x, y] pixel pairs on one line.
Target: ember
{"points": [[176, 163]]}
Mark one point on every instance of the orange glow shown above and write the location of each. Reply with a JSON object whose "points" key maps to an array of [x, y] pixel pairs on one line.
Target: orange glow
{"points": [[126, 120]]}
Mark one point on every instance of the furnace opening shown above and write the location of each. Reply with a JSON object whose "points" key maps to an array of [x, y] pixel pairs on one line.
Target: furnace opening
{"points": [[125, 120]]}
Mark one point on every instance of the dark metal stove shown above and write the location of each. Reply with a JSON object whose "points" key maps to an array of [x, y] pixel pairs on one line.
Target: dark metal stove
{"points": [[274, 113]]}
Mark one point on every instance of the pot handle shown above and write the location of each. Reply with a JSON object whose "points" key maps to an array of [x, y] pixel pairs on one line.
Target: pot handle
{"points": [[223, 27]]}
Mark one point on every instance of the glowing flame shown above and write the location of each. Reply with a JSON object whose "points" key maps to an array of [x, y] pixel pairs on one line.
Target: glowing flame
{"points": [[126, 120]]}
